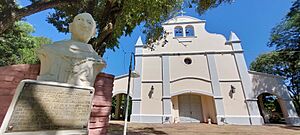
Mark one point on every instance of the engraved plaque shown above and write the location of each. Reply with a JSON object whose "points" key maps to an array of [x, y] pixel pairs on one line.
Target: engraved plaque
{"points": [[40, 107]]}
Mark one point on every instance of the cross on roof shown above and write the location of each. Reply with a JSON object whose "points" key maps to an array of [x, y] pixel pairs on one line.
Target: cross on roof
{"points": [[182, 12]]}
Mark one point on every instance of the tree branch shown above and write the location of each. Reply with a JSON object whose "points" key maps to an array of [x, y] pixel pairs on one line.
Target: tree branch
{"points": [[111, 11], [16, 14]]}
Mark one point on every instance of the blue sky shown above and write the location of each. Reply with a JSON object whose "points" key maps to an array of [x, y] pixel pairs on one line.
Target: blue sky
{"points": [[251, 20]]}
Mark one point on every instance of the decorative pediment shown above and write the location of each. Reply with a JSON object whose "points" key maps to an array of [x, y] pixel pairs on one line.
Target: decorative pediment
{"points": [[183, 19]]}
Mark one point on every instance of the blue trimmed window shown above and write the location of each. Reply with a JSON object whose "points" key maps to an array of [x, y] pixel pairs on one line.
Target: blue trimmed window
{"points": [[178, 31], [189, 31]]}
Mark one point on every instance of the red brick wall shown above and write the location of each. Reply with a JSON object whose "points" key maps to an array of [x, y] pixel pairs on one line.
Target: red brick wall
{"points": [[10, 76]]}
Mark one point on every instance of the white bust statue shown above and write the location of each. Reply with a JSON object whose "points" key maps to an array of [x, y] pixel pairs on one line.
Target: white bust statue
{"points": [[72, 61]]}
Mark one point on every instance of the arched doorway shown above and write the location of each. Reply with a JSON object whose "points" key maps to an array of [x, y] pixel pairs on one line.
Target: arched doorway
{"points": [[118, 107], [192, 107], [270, 108]]}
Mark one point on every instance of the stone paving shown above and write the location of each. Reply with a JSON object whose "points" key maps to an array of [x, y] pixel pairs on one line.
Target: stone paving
{"points": [[116, 128]]}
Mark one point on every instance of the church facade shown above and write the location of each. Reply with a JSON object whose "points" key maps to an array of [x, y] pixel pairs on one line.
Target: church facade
{"points": [[196, 76]]}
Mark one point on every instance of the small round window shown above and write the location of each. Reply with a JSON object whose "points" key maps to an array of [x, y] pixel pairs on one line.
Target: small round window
{"points": [[188, 61]]}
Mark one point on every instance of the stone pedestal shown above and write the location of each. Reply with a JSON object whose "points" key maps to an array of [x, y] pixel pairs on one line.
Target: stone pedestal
{"points": [[10, 77], [48, 108]]}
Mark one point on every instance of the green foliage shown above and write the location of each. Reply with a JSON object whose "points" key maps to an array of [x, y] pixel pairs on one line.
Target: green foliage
{"points": [[122, 102], [286, 35], [271, 108], [278, 63], [203, 5], [285, 61], [264, 63], [17, 46], [120, 17], [114, 17]]}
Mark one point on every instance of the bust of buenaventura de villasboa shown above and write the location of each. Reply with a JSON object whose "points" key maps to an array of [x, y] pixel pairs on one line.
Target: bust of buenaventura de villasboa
{"points": [[72, 61]]}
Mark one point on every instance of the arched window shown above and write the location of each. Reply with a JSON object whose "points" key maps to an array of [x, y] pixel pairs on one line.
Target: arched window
{"points": [[189, 31], [178, 31]]}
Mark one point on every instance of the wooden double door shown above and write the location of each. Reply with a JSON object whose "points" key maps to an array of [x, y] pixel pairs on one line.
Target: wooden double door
{"points": [[190, 108]]}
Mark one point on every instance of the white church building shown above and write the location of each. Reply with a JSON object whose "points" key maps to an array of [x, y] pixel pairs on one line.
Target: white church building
{"points": [[198, 76]]}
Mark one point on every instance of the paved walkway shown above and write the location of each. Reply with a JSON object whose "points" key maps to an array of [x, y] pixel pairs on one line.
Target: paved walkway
{"points": [[116, 128]]}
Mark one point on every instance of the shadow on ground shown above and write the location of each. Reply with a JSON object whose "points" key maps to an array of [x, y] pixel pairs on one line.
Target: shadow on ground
{"points": [[284, 126], [117, 129]]}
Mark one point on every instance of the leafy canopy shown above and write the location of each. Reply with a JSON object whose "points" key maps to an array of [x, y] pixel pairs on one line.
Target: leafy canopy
{"points": [[114, 17], [17, 46], [118, 17]]}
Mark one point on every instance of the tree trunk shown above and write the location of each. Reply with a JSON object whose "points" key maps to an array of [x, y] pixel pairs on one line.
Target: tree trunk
{"points": [[9, 17]]}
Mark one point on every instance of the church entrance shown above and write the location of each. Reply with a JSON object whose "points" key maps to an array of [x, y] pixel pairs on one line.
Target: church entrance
{"points": [[190, 109]]}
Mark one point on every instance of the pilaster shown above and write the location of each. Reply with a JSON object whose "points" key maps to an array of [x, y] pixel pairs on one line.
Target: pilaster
{"points": [[251, 101], [137, 82], [166, 96], [216, 89]]}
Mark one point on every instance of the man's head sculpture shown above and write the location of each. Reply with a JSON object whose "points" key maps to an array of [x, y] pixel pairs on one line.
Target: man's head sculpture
{"points": [[72, 61], [83, 27]]}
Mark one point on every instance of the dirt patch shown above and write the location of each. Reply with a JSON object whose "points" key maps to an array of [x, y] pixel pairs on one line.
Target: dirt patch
{"points": [[116, 128]]}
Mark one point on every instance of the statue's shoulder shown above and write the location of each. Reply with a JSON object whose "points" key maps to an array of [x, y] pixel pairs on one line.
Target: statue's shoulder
{"points": [[62, 42], [57, 43], [55, 47]]}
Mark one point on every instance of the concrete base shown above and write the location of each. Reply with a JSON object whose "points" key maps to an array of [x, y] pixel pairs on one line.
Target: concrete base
{"points": [[222, 120], [147, 118], [294, 121], [257, 120], [167, 119], [239, 120], [135, 118]]}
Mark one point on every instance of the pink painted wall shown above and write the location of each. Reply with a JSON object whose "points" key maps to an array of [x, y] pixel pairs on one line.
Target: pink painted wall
{"points": [[10, 76], [101, 104]]}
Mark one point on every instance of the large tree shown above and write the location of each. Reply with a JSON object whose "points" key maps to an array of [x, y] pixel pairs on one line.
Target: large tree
{"points": [[114, 17], [285, 60], [17, 46]]}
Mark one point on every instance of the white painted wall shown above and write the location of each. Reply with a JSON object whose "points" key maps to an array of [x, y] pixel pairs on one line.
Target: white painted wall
{"points": [[208, 52]]}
